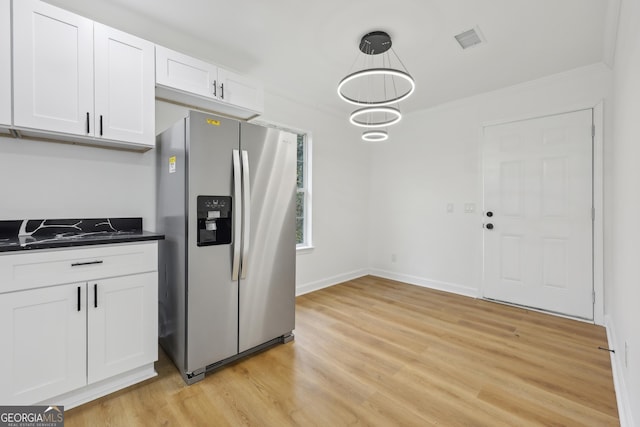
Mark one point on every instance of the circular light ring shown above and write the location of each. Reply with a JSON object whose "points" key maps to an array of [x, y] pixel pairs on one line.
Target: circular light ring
{"points": [[369, 110], [375, 135], [376, 72]]}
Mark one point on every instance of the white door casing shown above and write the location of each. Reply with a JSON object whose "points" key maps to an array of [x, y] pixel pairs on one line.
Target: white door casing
{"points": [[538, 185]]}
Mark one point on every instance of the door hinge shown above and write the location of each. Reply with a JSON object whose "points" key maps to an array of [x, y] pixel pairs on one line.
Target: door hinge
{"points": [[593, 214], [593, 297], [593, 131]]}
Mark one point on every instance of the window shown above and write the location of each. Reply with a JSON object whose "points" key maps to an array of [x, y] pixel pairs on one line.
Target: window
{"points": [[303, 196]]}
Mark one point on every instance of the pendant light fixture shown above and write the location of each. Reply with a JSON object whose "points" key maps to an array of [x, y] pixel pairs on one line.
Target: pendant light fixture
{"points": [[375, 135], [381, 78], [379, 81]]}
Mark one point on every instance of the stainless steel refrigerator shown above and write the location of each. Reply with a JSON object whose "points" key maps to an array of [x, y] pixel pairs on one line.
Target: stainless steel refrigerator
{"points": [[226, 205]]}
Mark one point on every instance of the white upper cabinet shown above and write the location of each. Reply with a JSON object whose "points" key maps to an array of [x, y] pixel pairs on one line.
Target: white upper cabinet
{"points": [[124, 88], [193, 82], [182, 72], [53, 68], [76, 77], [5, 62], [239, 90]]}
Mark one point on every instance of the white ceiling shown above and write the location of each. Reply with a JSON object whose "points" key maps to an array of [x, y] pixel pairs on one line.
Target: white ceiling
{"points": [[301, 49]]}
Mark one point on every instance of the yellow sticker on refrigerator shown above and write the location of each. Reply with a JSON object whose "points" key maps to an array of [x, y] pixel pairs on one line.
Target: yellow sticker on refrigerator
{"points": [[213, 122], [172, 164]]}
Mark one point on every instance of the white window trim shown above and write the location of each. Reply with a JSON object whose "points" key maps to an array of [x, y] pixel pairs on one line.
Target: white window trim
{"points": [[307, 245]]}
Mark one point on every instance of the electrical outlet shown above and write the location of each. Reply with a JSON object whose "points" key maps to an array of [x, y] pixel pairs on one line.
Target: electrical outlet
{"points": [[449, 207], [469, 207], [394, 258]]}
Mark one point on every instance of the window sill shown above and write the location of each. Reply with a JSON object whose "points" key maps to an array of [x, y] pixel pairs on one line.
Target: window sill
{"points": [[303, 250]]}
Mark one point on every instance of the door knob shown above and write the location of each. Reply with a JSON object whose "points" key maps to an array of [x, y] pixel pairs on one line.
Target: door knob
{"points": [[489, 226], [489, 214]]}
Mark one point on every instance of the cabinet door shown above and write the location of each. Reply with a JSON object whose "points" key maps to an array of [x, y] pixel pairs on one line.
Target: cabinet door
{"points": [[5, 62], [122, 324], [240, 91], [124, 86], [179, 71], [52, 68], [43, 336]]}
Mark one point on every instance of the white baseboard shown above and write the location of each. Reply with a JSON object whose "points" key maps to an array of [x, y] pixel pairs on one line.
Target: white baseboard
{"points": [[624, 408], [102, 388], [427, 283], [329, 281]]}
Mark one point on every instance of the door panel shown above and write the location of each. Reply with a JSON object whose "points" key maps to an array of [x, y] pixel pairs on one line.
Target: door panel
{"points": [[538, 184], [53, 68], [212, 305], [5, 64], [123, 328], [124, 86], [267, 294], [44, 343]]}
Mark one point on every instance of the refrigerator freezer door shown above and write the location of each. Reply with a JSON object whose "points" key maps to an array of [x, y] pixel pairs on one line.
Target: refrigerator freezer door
{"points": [[267, 294], [212, 301]]}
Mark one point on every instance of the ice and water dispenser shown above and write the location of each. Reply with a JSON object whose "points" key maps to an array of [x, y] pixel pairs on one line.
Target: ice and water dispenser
{"points": [[214, 220]]}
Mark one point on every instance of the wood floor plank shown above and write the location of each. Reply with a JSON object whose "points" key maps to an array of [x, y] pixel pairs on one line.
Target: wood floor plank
{"points": [[379, 352]]}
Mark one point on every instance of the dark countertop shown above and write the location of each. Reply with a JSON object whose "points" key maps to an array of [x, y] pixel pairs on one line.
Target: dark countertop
{"points": [[47, 234]]}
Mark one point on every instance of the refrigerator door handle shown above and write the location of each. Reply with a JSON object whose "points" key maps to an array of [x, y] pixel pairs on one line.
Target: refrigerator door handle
{"points": [[246, 209], [237, 214]]}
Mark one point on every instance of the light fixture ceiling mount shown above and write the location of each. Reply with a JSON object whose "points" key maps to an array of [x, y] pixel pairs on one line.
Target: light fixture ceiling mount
{"points": [[375, 43]]}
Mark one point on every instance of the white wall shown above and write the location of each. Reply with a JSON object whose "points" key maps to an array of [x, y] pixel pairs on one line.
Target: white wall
{"points": [[433, 158], [52, 180], [622, 229]]}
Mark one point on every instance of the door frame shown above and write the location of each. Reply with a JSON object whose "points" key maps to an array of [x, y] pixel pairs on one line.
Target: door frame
{"points": [[597, 196]]}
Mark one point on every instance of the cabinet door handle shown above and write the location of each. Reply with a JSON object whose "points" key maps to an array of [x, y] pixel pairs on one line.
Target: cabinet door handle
{"points": [[222, 90], [79, 295], [88, 122], [215, 88], [76, 264], [100, 124], [95, 295]]}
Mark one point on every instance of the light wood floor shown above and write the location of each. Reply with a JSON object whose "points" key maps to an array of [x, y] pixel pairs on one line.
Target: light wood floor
{"points": [[377, 352]]}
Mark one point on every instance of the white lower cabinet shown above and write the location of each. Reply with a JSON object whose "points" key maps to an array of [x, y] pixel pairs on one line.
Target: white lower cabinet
{"points": [[122, 325], [70, 343], [44, 338]]}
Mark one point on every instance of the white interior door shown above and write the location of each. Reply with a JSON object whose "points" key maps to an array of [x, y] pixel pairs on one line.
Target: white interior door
{"points": [[538, 198]]}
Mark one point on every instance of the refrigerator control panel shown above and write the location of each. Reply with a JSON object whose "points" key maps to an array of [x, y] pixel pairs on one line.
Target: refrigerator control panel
{"points": [[214, 220]]}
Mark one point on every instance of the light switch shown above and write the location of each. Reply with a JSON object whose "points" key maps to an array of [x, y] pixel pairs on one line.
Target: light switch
{"points": [[449, 207]]}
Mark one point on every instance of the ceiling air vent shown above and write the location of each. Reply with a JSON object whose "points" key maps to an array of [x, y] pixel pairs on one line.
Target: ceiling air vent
{"points": [[470, 38]]}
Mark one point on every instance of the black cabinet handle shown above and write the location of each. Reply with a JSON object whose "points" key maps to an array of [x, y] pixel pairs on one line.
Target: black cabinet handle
{"points": [[222, 90], [95, 295], [489, 226], [489, 214], [79, 295], [215, 88], [76, 264], [88, 130], [100, 124]]}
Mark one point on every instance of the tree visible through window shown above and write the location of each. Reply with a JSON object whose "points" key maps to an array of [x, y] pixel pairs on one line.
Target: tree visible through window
{"points": [[303, 209]]}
